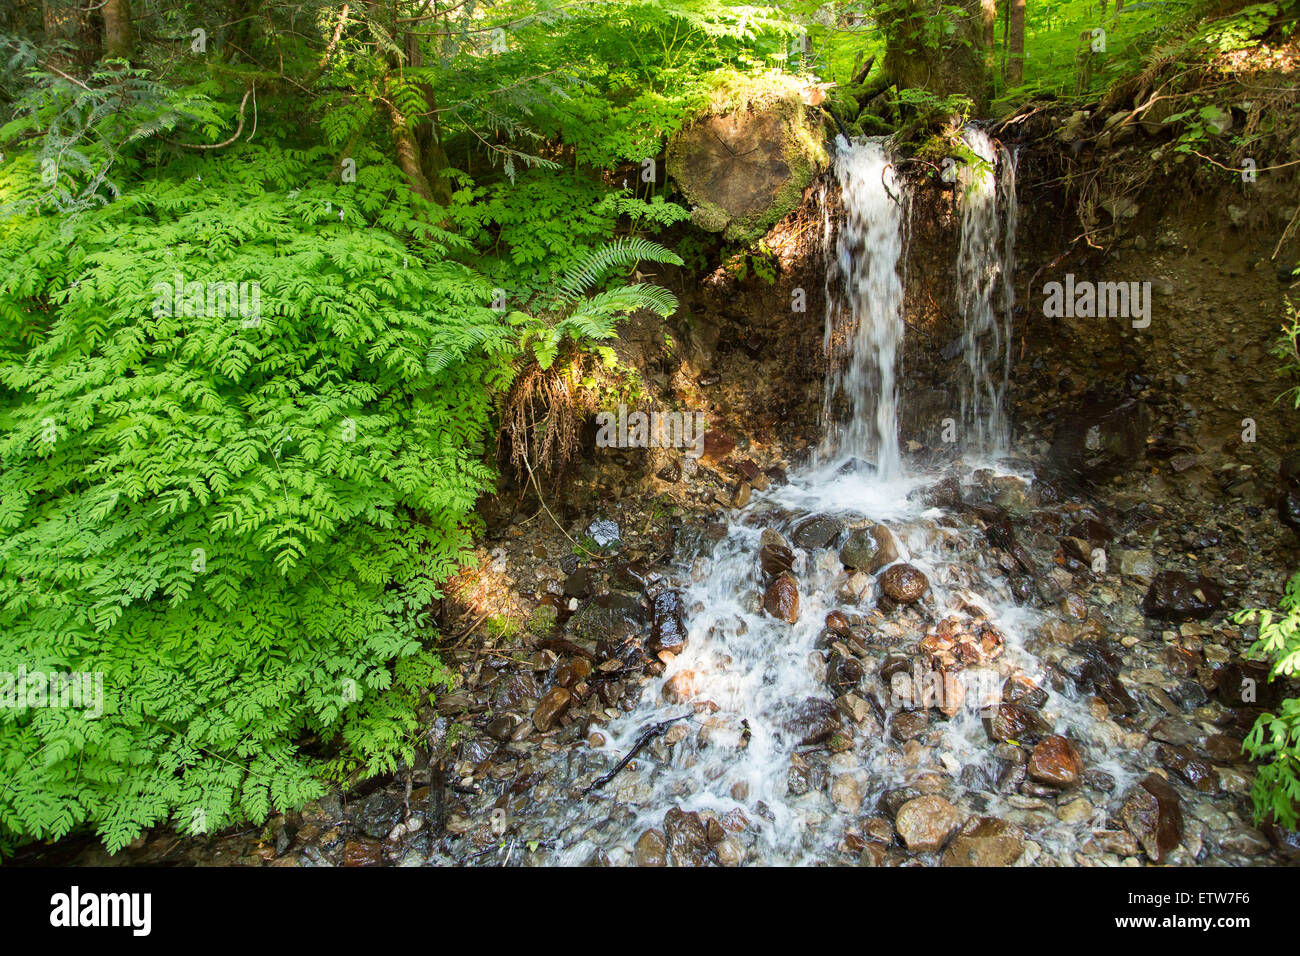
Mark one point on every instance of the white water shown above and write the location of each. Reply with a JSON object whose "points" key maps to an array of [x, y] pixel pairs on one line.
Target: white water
{"points": [[985, 294], [864, 308], [751, 671]]}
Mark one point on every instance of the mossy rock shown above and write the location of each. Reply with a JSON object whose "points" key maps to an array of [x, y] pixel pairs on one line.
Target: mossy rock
{"points": [[743, 170]]}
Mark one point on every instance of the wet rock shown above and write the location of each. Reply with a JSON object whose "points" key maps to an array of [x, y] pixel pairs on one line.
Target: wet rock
{"points": [[1055, 762], [671, 472], [782, 598], [681, 687], [572, 672], [379, 814], [869, 549], [1288, 508], [985, 841], [718, 445], [1172, 730], [668, 630], [612, 617], [1019, 689], [814, 721], [1119, 842], [963, 642], [503, 727], [604, 532], [1245, 684], [775, 559], [843, 673], [1223, 749], [904, 583], [687, 839], [1139, 563], [1175, 596], [1098, 780], [363, 853], [1184, 763], [1014, 722], [578, 584], [909, 725], [942, 494], [551, 707], [1152, 813], [924, 824], [1244, 840], [651, 849], [846, 792], [816, 532], [838, 623], [855, 588]]}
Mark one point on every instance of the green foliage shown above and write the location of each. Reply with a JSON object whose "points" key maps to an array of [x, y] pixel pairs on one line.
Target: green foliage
{"points": [[1274, 741], [239, 517]]}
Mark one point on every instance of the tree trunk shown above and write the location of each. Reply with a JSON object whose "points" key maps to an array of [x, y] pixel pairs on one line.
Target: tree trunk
{"points": [[428, 133], [408, 155], [119, 37], [1016, 43], [67, 22], [951, 64]]}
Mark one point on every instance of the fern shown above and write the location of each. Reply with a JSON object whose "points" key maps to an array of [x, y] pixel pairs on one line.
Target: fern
{"points": [[620, 253]]}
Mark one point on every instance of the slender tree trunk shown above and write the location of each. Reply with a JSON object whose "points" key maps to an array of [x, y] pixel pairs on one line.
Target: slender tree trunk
{"points": [[68, 22], [408, 154], [119, 36], [427, 131], [1016, 42]]}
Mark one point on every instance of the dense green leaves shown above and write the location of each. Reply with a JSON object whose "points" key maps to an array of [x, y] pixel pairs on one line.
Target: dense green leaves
{"points": [[235, 507]]}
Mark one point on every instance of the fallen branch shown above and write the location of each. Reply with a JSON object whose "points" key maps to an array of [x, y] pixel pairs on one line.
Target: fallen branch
{"points": [[233, 136], [647, 735]]}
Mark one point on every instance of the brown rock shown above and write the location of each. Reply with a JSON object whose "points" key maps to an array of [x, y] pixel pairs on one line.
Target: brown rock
{"points": [[924, 824], [688, 839], [985, 841], [363, 853], [782, 598], [550, 707], [904, 583], [775, 559], [681, 687], [1152, 813], [1181, 760], [814, 721], [1056, 763], [838, 622], [1223, 749], [1014, 722], [651, 849]]}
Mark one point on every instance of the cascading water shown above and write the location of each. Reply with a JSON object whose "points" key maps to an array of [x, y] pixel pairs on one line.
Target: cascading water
{"points": [[985, 293], [864, 308], [793, 734]]}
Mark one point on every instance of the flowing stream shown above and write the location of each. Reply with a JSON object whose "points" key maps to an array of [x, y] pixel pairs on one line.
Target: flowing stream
{"points": [[753, 684]]}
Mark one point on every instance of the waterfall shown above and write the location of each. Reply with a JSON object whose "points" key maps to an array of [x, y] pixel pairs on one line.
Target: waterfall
{"points": [[864, 309], [789, 728], [985, 293]]}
